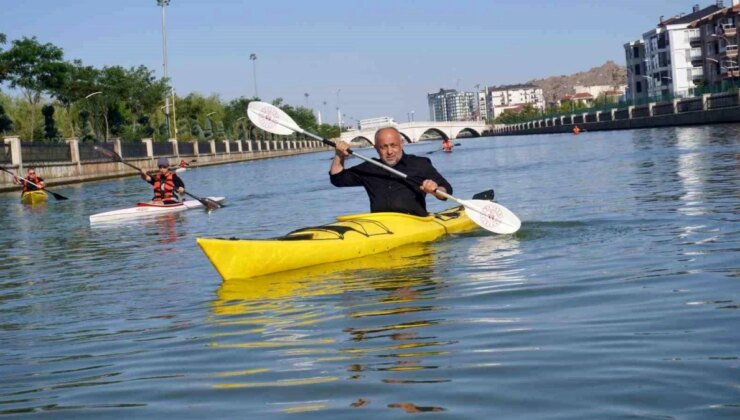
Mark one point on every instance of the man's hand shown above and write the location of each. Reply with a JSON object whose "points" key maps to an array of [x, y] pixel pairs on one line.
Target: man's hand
{"points": [[181, 190], [428, 186], [342, 149]]}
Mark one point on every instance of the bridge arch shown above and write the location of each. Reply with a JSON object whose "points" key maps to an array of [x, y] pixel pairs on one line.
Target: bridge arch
{"points": [[362, 138], [473, 132], [436, 131]]}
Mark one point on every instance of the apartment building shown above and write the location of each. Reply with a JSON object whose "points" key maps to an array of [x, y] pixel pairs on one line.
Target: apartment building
{"points": [[636, 75], [718, 40], [512, 97], [451, 105], [683, 52]]}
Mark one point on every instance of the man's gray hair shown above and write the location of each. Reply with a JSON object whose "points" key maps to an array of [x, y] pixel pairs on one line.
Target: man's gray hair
{"points": [[390, 127]]}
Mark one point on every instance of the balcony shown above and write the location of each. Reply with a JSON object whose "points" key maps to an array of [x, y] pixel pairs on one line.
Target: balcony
{"points": [[729, 29], [695, 38], [697, 73], [730, 51]]}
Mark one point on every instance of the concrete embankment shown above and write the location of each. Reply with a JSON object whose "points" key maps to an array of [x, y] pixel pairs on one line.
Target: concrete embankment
{"points": [[76, 170], [707, 109]]}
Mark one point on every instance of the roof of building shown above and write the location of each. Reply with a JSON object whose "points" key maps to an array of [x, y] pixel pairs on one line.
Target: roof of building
{"points": [[710, 17], [691, 17]]}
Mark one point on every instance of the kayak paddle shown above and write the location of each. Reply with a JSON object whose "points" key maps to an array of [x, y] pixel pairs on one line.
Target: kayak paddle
{"points": [[487, 214], [207, 202], [56, 196], [434, 151]]}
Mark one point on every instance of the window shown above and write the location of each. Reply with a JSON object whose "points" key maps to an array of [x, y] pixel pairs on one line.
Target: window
{"points": [[637, 69], [636, 51], [638, 87]]}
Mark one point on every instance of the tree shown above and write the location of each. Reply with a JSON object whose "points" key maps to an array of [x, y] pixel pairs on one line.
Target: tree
{"points": [[78, 82], [208, 129], [6, 124], [87, 135], [51, 133], [34, 68]]}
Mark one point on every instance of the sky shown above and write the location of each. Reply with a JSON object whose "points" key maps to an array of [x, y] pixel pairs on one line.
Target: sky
{"points": [[369, 58]]}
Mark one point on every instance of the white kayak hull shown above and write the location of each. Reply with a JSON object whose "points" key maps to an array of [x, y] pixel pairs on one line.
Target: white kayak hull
{"points": [[149, 209]]}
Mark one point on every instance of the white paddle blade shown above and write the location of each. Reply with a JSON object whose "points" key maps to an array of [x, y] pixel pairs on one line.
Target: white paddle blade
{"points": [[271, 118], [491, 216]]}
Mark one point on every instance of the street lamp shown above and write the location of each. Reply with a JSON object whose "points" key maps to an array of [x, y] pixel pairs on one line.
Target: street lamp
{"points": [[163, 4], [237, 121], [306, 95], [253, 58], [90, 96], [213, 129], [339, 114]]}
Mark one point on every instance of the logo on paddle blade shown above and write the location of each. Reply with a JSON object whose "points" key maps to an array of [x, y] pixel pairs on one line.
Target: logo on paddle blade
{"points": [[268, 117], [493, 215]]}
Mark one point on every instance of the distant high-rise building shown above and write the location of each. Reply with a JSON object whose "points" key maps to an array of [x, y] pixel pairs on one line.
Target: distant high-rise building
{"points": [[451, 105]]}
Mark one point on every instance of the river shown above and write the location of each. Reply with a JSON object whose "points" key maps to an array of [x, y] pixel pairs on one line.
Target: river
{"points": [[618, 298]]}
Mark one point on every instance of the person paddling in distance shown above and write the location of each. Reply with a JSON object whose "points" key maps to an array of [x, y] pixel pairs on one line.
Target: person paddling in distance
{"points": [[446, 145], [387, 192], [167, 185], [29, 181]]}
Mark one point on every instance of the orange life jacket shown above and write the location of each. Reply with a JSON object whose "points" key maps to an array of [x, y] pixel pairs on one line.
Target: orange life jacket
{"points": [[28, 187], [164, 190], [446, 145]]}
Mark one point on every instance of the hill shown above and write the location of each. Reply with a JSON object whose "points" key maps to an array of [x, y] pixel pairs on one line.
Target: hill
{"points": [[556, 87]]}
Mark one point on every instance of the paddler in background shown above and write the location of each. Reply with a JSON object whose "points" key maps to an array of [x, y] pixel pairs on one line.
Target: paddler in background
{"points": [[32, 179], [576, 130], [388, 192], [166, 184], [447, 145]]}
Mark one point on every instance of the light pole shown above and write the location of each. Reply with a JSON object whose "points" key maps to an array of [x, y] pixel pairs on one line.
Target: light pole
{"points": [[90, 96], [253, 58], [213, 129], [339, 114], [412, 116], [306, 95], [163, 4], [244, 130]]}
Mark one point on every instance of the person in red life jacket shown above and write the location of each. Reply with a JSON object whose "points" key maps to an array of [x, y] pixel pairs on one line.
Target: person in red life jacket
{"points": [[183, 164], [446, 145], [576, 130], [29, 181], [166, 184]]}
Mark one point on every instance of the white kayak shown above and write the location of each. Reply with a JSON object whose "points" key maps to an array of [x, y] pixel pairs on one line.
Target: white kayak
{"points": [[149, 209]]}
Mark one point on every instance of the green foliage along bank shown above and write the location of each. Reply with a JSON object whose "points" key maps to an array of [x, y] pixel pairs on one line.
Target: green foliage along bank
{"points": [[53, 99]]}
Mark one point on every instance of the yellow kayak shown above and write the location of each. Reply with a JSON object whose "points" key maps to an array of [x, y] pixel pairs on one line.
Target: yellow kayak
{"points": [[352, 236], [33, 197]]}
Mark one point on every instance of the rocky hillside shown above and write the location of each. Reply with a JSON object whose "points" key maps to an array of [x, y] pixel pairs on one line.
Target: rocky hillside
{"points": [[555, 87]]}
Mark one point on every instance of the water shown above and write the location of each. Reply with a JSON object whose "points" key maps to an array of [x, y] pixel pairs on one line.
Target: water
{"points": [[617, 299]]}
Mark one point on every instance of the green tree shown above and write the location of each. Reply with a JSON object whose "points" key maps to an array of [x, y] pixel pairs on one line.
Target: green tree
{"points": [[208, 129], [87, 132], [51, 134], [6, 124], [35, 69], [79, 81]]}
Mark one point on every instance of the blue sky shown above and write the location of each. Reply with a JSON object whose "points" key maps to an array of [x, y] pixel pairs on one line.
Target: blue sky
{"points": [[383, 55]]}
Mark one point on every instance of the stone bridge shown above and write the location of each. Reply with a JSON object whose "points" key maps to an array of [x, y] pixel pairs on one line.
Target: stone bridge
{"points": [[412, 131]]}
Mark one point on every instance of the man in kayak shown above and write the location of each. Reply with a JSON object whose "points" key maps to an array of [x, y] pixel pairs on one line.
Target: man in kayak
{"points": [[29, 181], [166, 184], [386, 191]]}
